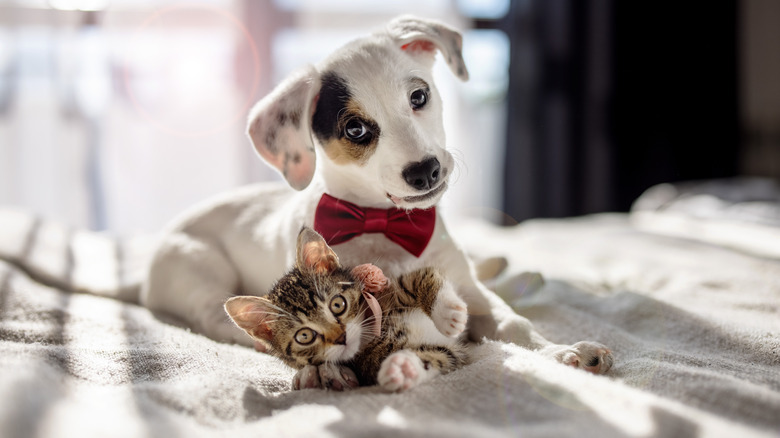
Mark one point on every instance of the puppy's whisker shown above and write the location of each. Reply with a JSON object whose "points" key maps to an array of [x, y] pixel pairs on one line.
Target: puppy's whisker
{"points": [[376, 261], [460, 166]]}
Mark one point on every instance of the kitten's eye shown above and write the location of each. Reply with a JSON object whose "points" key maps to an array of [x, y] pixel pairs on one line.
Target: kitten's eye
{"points": [[418, 99], [305, 336], [338, 305], [355, 130]]}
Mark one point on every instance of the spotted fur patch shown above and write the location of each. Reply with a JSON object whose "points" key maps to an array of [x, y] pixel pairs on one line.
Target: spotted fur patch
{"points": [[336, 108]]}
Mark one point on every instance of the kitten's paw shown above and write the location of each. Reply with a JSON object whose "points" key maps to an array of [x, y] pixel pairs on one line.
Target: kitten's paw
{"points": [[400, 371], [449, 313], [589, 356], [337, 377], [306, 378]]}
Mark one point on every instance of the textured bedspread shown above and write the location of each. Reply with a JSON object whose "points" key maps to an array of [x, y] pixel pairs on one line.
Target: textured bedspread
{"points": [[695, 328]]}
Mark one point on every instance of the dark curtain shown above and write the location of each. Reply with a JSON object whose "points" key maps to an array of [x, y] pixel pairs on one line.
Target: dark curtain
{"points": [[607, 98]]}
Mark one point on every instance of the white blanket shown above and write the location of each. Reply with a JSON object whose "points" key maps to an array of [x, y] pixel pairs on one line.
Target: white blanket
{"points": [[695, 329]]}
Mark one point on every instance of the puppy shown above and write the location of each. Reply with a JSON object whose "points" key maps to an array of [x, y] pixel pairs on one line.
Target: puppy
{"points": [[360, 141]]}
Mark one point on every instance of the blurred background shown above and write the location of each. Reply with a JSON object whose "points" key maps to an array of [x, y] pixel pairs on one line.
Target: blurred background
{"points": [[118, 114]]}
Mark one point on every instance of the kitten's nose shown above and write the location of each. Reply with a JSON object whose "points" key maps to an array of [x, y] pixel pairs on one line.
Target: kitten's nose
{"points": [[342, 340]]}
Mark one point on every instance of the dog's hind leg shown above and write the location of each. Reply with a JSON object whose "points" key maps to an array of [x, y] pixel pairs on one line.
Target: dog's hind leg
{"points": [[498, 320], [502, 323], [191, 279], [491, 317]]}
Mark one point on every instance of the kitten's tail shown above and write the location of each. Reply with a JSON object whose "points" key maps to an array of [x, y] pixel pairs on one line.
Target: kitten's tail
{"points": [[73, 260]]}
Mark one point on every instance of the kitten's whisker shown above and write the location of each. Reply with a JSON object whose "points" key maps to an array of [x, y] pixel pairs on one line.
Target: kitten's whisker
{"points": [[272, 321], [362, 313], [262, 312], [284, 311], [386, 312]]}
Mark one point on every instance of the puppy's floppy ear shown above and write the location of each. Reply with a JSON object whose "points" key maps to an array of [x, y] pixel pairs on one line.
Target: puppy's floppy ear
{"points": [[280, 127], [314, 254], [421, 38]]}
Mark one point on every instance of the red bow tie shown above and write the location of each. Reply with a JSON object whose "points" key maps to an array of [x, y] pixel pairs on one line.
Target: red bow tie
{"points": [[339, 221]]}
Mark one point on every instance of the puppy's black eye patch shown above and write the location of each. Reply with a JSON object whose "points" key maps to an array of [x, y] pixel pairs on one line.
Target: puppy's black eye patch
{"points": [[333, 100], [337, 116]]}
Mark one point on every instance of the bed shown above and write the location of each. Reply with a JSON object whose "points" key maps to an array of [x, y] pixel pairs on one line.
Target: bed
{"points": [[685, 289]]}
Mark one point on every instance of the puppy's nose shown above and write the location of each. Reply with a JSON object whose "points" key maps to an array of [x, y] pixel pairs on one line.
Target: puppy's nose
{"points": [[422, 175]]}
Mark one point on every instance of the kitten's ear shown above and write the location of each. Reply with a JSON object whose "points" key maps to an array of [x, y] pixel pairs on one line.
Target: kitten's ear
{"points": [[252, 314], [314, 254]]}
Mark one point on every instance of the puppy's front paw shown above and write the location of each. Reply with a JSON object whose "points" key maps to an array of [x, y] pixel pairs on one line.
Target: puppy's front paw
{"points": [[589, 356], [449, 314], [400, 371]]}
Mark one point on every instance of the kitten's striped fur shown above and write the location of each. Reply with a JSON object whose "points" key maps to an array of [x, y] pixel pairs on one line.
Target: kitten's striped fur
{"points": [[402, 303], [315, 315]]}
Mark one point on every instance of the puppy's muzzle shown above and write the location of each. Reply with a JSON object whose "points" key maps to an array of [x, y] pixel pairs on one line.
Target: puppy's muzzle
{"points": [[423, 175]]}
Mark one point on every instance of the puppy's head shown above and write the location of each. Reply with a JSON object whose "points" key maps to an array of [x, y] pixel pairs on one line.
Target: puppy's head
{"points": [[374, 113]]}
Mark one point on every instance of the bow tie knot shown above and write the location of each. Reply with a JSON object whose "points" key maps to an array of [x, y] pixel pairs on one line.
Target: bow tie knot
{"points": [[375, 220], [339, 221]]}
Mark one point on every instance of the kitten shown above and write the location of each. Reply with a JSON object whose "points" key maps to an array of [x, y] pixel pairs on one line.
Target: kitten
{"points": [[316, 315]]}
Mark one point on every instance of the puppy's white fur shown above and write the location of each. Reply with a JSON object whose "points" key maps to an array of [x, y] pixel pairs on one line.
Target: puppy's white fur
{"points": [[242, 242]]}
